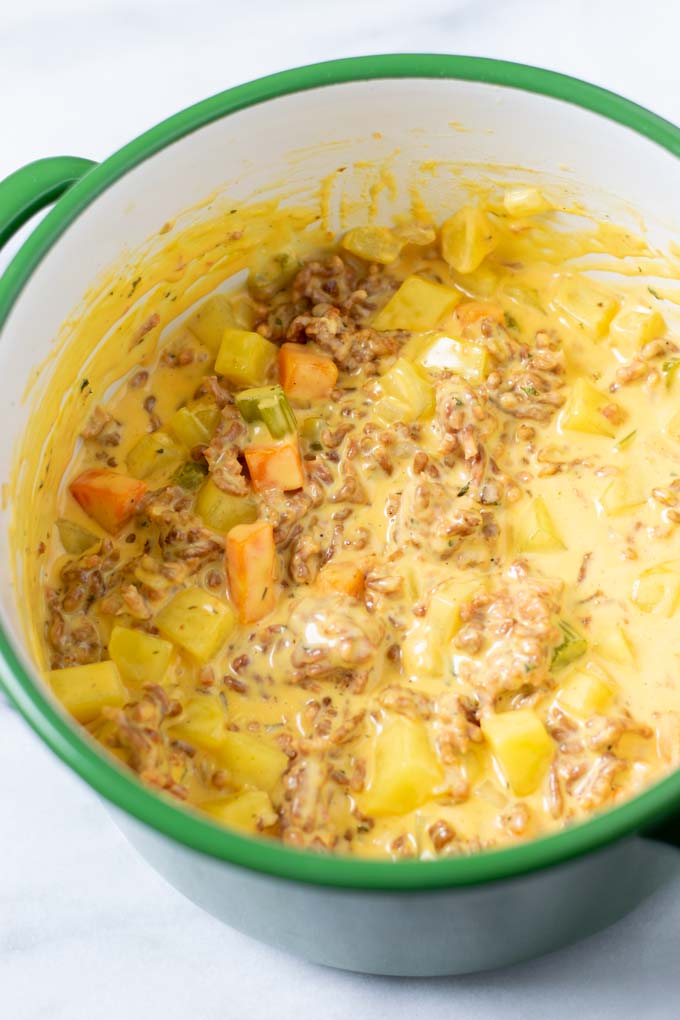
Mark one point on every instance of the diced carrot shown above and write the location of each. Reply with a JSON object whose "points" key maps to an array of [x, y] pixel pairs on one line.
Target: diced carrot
{"points": [[304, 374], [344, 577], [251, 556], [108, 497], [472, 311], [275, 467]]}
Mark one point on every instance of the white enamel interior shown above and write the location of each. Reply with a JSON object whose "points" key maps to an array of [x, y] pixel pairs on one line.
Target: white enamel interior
{"points": [[608, 167]]}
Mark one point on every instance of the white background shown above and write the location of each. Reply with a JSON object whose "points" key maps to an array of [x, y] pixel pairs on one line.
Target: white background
{"points": [[87, 930]]}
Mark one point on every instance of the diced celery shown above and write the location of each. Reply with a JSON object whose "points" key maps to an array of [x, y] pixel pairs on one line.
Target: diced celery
{"points": [[633, 327], [467, 359], [268, 404], [202, 723], [190, 475], [155, 455], [522, 747], [272, 274], [210, 320], [418, 305], [252, 761], [525, 202], [85, 690], [198, 622], [657, 590], [223, 510], [245, 358], [251, 811], [374, 244], [75, 540], [622, 494], [405, 770], [467, 238], [536, 530], [405, 383], [583, 410], [140, 657], [584, 694], [195, 423], [586, 305], [311, 431], [571, 648]]}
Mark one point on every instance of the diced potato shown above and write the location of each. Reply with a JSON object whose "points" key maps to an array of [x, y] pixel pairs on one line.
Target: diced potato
{"points": [[155, 455], [245, 358], [210, 320], [467, 238], [622, 494], [195, 423], [251, 811], [85, 690], [583, 410], [584, 694], [202, 723], [657, 590], [632, 328], [222, 510], [272, 274], [426, 645], [140, 657], [587, 305], [75, 540], [252, 761], [522, 747], [525, 202], [375, 244], [306, 374], [467, 359], [536, 531], [673, 427], [278, 466], [108, 497], [198, 622], [343, 576], [572, 646], [403, 382], [405, 770], [387, 410], [251, 563], [613, 644], [418, 305]]}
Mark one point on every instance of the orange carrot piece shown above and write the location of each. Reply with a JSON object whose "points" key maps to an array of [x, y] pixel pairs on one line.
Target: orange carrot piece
{"points": [[275, 467], [344, 577], [108, 497], [251, 557], [472, 311], [304, 374]]}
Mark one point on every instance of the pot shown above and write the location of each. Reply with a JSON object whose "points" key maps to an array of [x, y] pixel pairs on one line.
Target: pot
{"points": [[401, 918]]}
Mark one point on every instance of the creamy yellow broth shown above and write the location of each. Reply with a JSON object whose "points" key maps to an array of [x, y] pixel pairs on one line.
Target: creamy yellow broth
{"points": [[370, 715]]}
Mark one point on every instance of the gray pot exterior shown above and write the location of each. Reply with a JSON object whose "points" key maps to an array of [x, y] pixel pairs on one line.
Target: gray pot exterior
{"points": [[414, 934]]}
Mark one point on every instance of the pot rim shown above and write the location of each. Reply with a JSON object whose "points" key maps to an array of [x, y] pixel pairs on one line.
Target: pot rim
{"points": [[122, 788]]}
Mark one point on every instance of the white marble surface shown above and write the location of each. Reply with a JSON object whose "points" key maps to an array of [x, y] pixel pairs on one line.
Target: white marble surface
{"points": [[87, 930]]}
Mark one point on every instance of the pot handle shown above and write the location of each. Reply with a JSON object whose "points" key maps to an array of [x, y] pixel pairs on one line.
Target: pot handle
{"points": [[34, 186]]}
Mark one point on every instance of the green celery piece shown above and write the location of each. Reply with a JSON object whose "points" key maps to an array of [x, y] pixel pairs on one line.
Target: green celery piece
{"points": [[311, 430], [268, 404], [572, 646], [190, 475], [75, 540]]}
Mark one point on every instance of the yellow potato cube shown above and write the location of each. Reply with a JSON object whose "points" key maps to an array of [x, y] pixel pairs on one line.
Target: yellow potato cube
{"points": [[583, 410], [586, 305], [425, 648], [657, 590], [418, 305], [374, 244], [673, 427], [155, 455], [405, 770], [272, 273], [469, 360], [245, 358], [622, 495], [210, 320], [525, 202], [222, 510], [198, 622], [536, 531], [521, 746], [388, 410], [615, 646], [633, 327], [467, 238], [405, 383], [584, 694], [140, 657], [251, 811], [251, 761], [202, 723], [85, 690]]}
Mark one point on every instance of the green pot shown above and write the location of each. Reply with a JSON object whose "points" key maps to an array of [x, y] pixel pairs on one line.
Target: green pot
{"points": [[408, 917]]}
